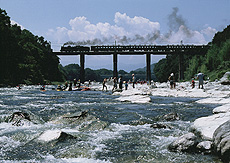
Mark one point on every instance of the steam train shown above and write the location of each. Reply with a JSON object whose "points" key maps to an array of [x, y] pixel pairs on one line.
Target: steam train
{"points": [[130, 48]]}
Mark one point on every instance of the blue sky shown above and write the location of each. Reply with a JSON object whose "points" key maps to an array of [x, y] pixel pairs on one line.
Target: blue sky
{"points": [[126, 21]]}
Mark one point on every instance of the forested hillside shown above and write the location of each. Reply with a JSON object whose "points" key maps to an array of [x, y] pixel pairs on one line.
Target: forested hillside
{"points": [[217, 60], [25, 58], [213, 64], [72, 71]]}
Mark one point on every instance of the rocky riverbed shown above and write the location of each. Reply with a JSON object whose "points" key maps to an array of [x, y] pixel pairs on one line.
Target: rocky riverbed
{"points": [[209, 134]]}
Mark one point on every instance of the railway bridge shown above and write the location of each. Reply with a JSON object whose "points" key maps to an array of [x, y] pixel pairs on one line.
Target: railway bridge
{"points": [[147, 50]]}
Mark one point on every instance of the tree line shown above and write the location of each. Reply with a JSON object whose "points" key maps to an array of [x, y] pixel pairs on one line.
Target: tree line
{"points": [[72, 71], [24, 57], [213, 64]]}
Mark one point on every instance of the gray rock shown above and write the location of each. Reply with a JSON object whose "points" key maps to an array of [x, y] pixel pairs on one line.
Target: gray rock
{"points": [[225, 80], [221, 141], [78, 115], [21, 118], [171, 117], [185, 143], [57, 135], [204, 147], [206, 126], [160, 125]]}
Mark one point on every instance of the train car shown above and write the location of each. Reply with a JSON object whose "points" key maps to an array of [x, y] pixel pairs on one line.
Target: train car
{"points": [[76, 48]]}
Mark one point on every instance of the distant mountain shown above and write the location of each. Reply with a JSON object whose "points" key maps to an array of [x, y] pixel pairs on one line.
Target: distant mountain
{"points": [[144, 68]]}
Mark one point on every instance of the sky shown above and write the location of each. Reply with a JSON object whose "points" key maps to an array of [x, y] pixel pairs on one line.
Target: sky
{"points": [[102, 22]]}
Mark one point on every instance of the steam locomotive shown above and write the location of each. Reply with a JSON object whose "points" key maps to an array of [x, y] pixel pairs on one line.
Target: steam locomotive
{"points": [[76, 48]]}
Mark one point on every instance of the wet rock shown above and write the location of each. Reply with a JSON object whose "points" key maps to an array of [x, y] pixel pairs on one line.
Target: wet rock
{"points": [[185, 143], [51, 135], [78, 115], [204, 147], [22, 115], [221, 141], [160, 125], [171, 117], [21, 118], [93, 125], [225, 80]]}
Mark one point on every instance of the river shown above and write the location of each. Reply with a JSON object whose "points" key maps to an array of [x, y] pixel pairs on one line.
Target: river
{"points": [[111, 130]]}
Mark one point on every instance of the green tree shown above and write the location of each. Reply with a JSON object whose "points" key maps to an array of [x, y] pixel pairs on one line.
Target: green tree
{"points": [[25, 58]]}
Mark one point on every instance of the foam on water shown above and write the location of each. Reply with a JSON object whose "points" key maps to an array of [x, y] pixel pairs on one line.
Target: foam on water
{"points": [[52, 159], [7, 144]]}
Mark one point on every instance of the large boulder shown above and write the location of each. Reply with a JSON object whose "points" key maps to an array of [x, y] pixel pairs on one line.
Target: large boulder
{"points": [[225, 80], [206, 126], [185, 143], [221, 141], [51, 135], [222, 109]]}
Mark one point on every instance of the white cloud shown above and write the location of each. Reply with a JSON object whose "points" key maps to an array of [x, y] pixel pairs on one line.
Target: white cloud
{"points": [[208, 33], [126, 30], [59, 35]]}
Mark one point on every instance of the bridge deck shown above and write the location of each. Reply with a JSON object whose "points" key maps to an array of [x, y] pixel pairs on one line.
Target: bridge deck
{"points": [[111, 53]]}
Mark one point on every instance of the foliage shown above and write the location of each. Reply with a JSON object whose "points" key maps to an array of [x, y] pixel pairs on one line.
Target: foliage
{"points": [[215, 63], [221, 37], [92, 75], [25, 58], [71, 72]]}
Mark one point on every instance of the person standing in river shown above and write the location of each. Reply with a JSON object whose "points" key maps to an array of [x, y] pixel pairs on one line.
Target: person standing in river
{"points": [[200, 77], [114, 83], [120, 82], [103, 84], [70, 86], [172, 81], [133, 80], [126, 85]]}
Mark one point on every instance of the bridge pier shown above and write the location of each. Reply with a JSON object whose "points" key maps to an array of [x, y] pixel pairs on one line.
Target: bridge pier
{"points": [[82, 68], [115, 74], [148, 67]]}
